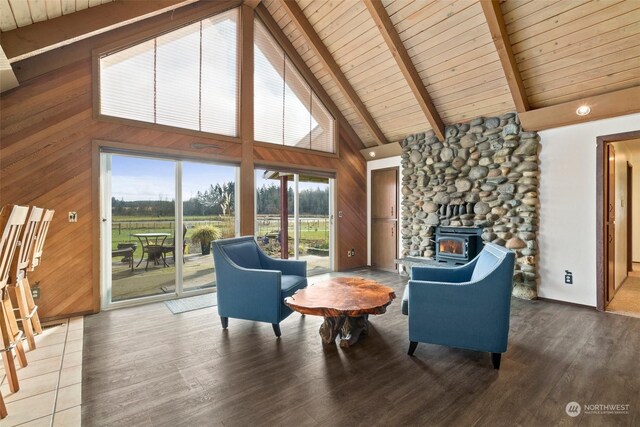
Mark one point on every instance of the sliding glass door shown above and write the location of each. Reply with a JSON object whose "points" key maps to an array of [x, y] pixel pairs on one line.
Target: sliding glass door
{"points": [[159, 217], [294, 217]]}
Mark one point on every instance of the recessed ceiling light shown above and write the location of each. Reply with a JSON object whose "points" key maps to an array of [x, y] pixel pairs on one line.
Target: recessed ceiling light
{"points": [[583, 110], [372, 153]]}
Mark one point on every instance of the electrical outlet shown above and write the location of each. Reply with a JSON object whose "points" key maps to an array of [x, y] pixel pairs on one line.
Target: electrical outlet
{"points": [[352, 252], [348, 253], [73, 216], [339, 214], [568, 277], [35, 292]]}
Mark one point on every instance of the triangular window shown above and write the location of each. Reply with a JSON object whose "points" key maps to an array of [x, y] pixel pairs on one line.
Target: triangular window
{"points": [[286, 110]]}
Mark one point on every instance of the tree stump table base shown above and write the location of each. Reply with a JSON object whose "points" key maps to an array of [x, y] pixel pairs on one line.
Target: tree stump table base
{"points": [[345, 303], [349, 329]]}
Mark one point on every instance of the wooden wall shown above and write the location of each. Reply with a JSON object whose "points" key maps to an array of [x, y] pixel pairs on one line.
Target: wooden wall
{"points": [[46, 154]]}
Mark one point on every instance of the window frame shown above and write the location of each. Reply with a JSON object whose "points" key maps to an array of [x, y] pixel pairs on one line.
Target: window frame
{"points": [[111, 48], [305, 77]]}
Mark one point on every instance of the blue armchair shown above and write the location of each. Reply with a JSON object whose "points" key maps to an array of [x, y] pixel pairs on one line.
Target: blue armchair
{"points": [[253, 286], [464, 307]]}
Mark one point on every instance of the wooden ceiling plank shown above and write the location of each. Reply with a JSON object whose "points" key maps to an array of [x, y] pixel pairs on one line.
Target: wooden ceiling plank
{"points": [[583, 46], [82, 4], [68, 6], [619, 103], [605, 65], [581, 18], [38, 10], [602, 84], [329, 62], [40, 37], [21, 12], [429, 51], [7, 21], [54, 9], [391, 37], [493, 14], [609, 43]]}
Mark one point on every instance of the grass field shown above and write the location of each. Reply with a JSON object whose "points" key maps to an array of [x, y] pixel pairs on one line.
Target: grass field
{"points": [[314, 232]]}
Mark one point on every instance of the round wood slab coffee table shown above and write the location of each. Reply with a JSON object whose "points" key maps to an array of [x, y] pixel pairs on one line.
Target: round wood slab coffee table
{"points": [[345, 303]]}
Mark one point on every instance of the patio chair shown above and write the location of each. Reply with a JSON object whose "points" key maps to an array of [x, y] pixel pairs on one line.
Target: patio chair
{"points": [[251, 285], [171, 247]]}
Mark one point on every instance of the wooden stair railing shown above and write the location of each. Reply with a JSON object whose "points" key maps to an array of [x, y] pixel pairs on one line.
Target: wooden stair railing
{"points": [[12, 219], [20, 287]]}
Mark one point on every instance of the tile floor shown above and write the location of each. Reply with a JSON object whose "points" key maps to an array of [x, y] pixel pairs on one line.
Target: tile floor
{"points": [[51, 384]]}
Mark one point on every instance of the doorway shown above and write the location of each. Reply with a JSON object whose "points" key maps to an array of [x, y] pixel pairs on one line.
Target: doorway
{"points": [[384, 219], [159, 216], [618, 287], [294, 217]]}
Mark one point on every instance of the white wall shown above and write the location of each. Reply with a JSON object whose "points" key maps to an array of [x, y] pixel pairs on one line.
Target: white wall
{"points": [[622, 224], [382, 164], [567, 237]]}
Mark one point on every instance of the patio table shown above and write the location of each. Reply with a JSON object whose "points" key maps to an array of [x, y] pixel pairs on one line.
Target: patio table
{"points": [[152, 244]]}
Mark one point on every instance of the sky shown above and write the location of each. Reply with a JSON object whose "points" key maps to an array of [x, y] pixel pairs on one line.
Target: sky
{"points": [[138, 178]]}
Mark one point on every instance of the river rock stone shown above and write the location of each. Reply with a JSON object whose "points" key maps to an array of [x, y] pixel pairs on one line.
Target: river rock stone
{"points": [[478, 172], [515, 243]]}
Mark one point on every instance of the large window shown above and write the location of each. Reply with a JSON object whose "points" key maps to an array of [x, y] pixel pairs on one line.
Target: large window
{"points": [[187, 78], [286, 110]]}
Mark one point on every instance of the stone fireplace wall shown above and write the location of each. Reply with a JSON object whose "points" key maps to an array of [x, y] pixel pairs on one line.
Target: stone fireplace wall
{"points": [[485, 174]]}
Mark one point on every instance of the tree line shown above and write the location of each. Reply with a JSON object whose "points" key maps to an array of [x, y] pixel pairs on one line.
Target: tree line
{"points": [[220, 200]]}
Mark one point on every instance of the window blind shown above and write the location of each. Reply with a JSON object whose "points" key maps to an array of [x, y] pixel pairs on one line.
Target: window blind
{"points": [[286, 110], [186, 78]]}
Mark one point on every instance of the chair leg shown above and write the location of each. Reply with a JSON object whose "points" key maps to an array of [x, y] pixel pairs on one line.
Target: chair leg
{"points": [[276, 329], [7, 355], [225, 322], [495, 358], [3, 408], [25, 317], [412, 347]]}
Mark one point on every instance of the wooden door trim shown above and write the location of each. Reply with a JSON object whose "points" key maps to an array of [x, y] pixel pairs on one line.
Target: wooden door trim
{"points": [[392, 220], [601, 143], [629, 217]]}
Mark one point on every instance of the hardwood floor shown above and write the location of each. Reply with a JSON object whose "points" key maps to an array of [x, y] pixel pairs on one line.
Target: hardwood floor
{"points": [[145, 366]]}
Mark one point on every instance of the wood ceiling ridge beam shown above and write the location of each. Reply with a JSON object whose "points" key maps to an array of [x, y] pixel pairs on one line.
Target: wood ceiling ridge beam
{"points": [[411, 75], [331, 65], [498, 30]]}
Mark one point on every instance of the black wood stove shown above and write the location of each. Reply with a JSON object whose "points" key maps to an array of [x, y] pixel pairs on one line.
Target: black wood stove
{"points": [[458, 245]]}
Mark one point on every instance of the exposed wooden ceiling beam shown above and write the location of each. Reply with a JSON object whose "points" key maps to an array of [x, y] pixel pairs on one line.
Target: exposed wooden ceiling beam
{"points": [[252, 3], [310, 35], [619, 103], [498, 29], [399, 52], [41, 37]]}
